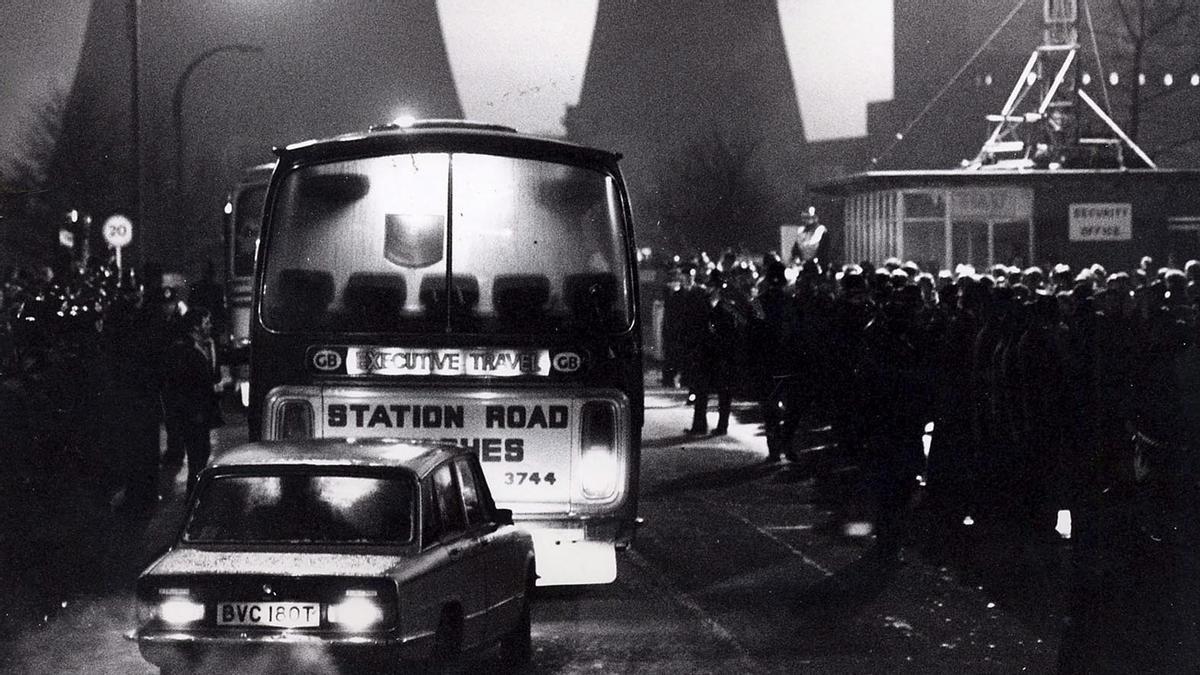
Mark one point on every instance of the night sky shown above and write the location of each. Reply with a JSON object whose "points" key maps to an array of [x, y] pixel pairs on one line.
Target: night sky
{"points": [[841, 55], [40, 42]]}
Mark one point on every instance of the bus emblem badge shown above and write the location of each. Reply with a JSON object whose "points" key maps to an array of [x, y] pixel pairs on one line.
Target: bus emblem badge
{"points": [[567, 362], [327, 359]]}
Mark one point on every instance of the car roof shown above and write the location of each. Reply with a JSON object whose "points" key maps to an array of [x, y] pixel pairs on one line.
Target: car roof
{"points": [[444, 136], [417, 456]]}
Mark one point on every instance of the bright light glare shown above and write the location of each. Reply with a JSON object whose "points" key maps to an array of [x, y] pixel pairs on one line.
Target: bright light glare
{"points": [[228, 208], [599, 471], [1168, 80], [1086, 78], [858, 528], [1195, 79], [968, 521], [1063, 524], [344, 492], [1114, 79], [181, 611], [404, 121], [355, 613]]}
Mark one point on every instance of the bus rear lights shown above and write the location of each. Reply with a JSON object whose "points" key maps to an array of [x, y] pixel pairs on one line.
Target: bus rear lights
{"points": [[598, 469], [598, 464], [295, 420]]}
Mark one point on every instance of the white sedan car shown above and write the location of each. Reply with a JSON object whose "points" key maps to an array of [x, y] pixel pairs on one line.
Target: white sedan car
{"points": [[338, 553]]}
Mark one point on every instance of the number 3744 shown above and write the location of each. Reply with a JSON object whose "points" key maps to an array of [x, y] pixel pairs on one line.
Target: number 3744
{"points": [[523, 477]]}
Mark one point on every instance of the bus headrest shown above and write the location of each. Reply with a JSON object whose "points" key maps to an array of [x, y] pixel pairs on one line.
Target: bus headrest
{"points": [[464, 291], [303, 296], [520, 294], [372, 292]]}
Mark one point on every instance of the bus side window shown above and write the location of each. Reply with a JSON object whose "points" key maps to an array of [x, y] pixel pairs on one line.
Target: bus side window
{"points": [[302, 298]]}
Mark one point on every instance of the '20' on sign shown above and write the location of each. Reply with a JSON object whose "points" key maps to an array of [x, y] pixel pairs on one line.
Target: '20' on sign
{"points": [[118, 231]]}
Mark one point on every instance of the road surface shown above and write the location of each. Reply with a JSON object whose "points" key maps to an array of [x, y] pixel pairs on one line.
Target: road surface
{"points": [[741, 566]]}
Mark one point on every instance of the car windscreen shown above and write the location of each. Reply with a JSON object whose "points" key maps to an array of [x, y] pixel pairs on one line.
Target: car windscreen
{"points": [[447, 242], [298, 507]]}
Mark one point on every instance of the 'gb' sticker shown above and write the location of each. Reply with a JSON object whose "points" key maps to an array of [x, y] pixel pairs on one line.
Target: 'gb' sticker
{"points": [[567, 362]]}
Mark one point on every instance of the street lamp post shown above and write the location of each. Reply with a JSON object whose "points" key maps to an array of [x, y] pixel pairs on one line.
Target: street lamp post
{"points": [[177, 101], [133, 10]]}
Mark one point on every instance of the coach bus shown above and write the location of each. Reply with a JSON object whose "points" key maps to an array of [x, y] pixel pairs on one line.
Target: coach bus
{"points": [[243, 221], [463, 283]]}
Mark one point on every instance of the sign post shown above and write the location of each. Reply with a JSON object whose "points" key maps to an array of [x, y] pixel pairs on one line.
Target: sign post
{"points": [[118, 232]]}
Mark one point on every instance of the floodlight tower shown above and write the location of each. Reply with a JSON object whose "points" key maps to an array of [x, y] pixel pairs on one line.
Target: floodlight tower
{"points": [[1038, 127]]}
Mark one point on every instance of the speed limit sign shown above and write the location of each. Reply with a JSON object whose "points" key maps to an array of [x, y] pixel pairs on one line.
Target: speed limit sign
{"points": [[118, 230]]}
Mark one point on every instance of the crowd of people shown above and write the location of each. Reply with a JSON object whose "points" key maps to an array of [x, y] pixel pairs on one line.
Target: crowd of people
{"points": [[1047, 390], [93, 363]]}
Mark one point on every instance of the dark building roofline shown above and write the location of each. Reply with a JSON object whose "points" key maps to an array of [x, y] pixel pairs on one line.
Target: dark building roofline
{"points": [[886, 180]]}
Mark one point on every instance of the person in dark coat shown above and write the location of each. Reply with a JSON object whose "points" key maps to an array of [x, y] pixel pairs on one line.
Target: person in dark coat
{"points": [[675, 324], [775, 356], [717, 352], [132, 408], [953, 454], [1136, 598], [852, 311], [895, 374], [1040, 413], [190, 388]]}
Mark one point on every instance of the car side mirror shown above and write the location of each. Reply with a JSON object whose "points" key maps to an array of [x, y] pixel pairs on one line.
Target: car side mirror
{"points": [[504, 517]]}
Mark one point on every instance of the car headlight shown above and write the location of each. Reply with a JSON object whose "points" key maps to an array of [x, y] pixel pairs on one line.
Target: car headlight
{"points": [[179, 611], [357, 612], [173, 606]]}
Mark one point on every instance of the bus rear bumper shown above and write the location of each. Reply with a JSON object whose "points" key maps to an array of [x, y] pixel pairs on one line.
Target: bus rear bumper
{"points": [[565, 558]]}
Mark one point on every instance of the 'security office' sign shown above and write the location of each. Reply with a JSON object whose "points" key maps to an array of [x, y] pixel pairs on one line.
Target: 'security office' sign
{"points": [[1101, 222]]}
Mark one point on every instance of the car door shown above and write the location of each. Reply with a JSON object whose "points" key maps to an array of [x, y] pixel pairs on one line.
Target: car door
{"points": [[466, 567], [501, 579]]}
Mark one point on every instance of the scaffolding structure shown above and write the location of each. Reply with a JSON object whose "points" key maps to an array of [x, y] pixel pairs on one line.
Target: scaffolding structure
{"points": [[1039, 125]]}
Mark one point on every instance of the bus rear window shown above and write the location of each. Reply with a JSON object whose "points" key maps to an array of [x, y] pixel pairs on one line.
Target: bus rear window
{"points": [[436, 242]]}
